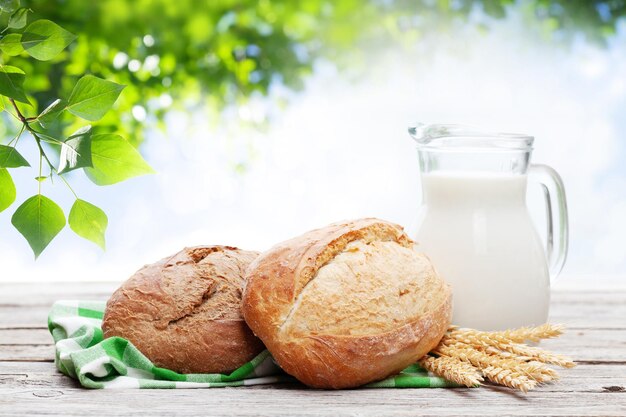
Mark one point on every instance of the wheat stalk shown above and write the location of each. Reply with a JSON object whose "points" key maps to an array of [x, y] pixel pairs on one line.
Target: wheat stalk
{"points": [[539, 372], [532, 369], [470, 355], [453, 370], [463, 355], [522, 352], [534, 334], [508, 372], [527, 365], [539, 355], [509, 378]]}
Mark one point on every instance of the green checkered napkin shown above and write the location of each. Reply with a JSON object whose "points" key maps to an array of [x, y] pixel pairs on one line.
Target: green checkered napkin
{"points": [[82, 353]]}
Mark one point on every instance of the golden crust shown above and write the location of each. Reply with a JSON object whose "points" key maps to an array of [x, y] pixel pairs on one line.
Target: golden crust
{"points": [[275, 279]]}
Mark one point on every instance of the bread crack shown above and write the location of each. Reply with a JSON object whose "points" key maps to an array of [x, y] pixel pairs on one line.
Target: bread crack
{"points": [[342, 248], [195, 308], [198, 254], [380, 287]]}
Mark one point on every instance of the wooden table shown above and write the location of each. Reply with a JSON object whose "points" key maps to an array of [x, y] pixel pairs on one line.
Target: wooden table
{"points": [[30, 384]]}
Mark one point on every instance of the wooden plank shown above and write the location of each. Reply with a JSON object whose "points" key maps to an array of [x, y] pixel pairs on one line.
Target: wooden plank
{"points": [[597, 387], [589, 295], [294, 401], [24, 375], [27, 304], [590, 345], [582, 378], [589, 309], [582, 316], [587, 345], [286, 403], [27, 353], [15, 316], [27, 388], [45, 293], [25, 337], [576, 315]]}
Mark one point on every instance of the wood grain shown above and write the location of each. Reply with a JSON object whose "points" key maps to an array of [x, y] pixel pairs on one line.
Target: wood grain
{"points": [[31, 385], [39, 388], [577, 310], [583, 345]]}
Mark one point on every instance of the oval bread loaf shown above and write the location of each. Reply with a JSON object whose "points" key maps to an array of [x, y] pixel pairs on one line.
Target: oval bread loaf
{"points": [[184, 312], [347, 304]]}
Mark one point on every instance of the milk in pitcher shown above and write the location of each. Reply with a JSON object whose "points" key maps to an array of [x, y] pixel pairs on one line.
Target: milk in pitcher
{"points": [[476, 229]]}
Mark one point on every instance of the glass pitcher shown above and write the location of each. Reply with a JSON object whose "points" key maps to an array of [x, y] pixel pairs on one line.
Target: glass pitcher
{"points": [[475, 226]]}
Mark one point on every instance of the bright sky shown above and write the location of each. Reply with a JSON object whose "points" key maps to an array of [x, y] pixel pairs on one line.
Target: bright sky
{"points": [[340, 150]]}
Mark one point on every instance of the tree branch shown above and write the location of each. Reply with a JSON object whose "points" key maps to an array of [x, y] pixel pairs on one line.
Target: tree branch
{"points": [[25, 121], [19, 113]]}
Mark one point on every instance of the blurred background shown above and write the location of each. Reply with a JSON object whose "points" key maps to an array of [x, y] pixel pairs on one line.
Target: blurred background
{"points": [[264, 119]]}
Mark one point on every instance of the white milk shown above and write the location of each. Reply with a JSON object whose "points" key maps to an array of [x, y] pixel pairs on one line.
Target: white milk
{"points": [[477, 231]]}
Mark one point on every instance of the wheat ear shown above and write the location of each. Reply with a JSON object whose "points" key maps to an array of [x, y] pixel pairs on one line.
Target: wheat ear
{"points": [[470, 336], [498, 370], [521, 352], [509, 378], [462, 355], [539, 355], [528, 366], [491, 357], [453, 370], [475, 357]]}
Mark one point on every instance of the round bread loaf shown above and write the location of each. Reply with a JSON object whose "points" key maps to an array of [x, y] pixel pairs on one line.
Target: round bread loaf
{"points": [[184, 312], [347, 304]]}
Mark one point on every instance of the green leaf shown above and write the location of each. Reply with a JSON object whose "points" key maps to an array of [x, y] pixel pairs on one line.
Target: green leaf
{"points": [[88, 221], [76, 151], [50, 113], [9, 6], [11, 44], [7, 189], [39, 220], [11, 158], [19, 18], [92, 97], [11, 81], [114, 160], [43, 39]]}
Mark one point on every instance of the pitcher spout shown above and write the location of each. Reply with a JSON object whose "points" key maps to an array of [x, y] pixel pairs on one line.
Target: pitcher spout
{"points": [[460, 136], [423, 133]]}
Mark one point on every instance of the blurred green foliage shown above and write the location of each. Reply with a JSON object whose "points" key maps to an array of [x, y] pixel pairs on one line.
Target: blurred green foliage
{"points": [[104, 158], [217, 53], [73, 58]]}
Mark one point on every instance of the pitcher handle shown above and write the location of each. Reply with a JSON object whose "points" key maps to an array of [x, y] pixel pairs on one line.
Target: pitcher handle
{"points": [[556, 216]]}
